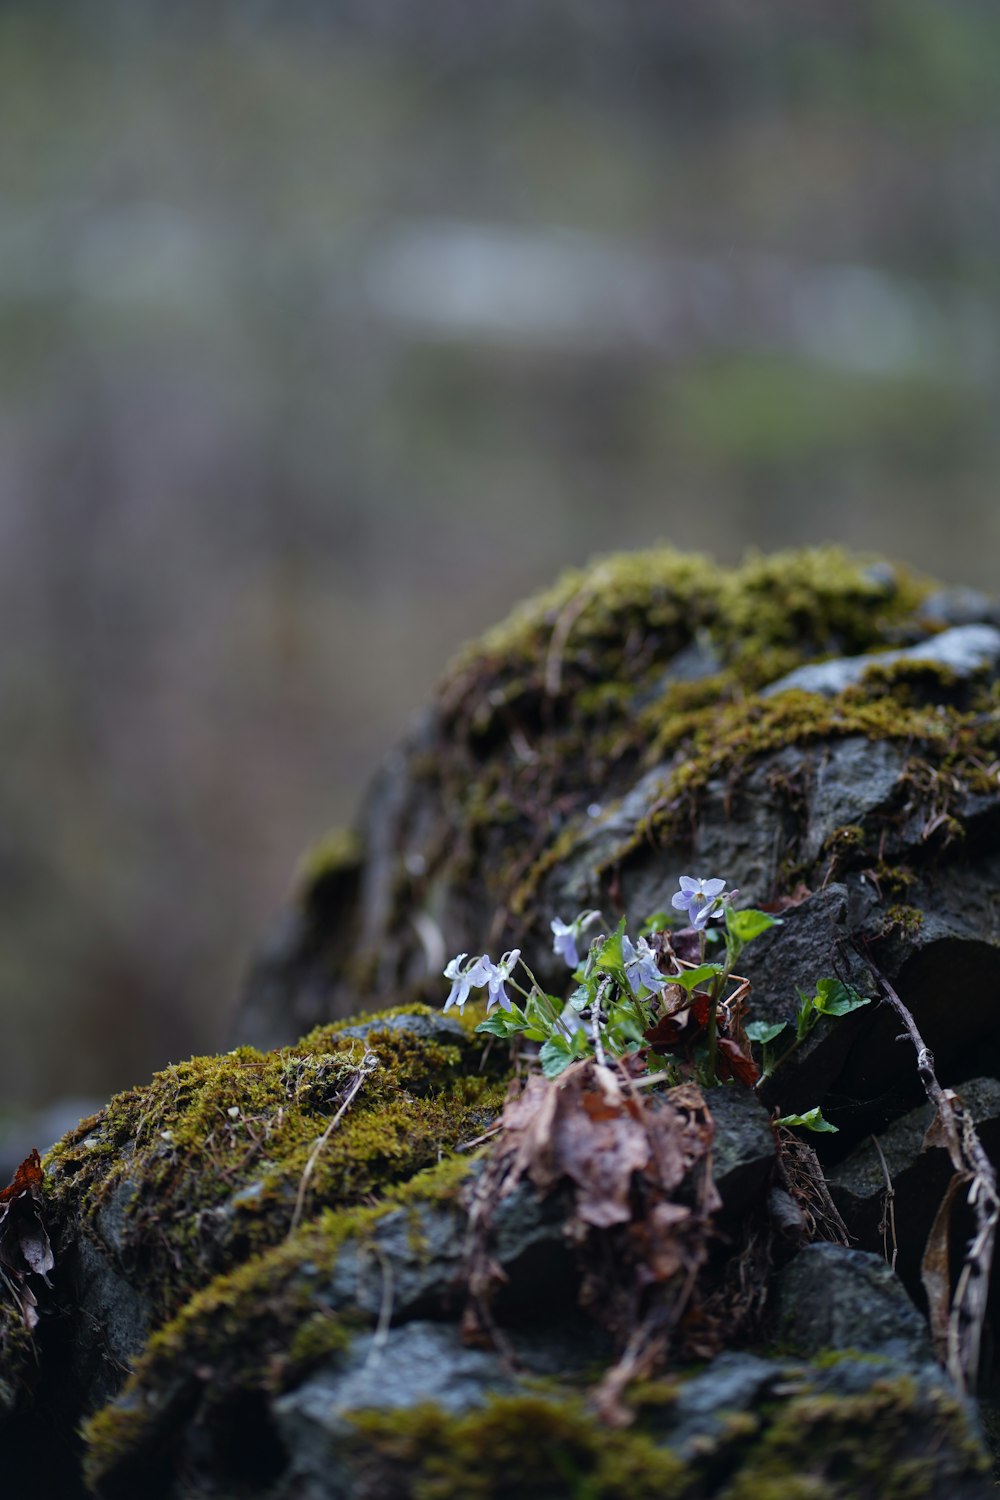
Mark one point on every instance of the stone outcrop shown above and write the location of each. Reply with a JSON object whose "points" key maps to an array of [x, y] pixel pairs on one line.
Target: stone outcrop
{"points": [[302, 1273]]}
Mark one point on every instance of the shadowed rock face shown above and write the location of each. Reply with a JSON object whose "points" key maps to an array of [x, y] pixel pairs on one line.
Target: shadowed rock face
{"points": [[240, 1311]]}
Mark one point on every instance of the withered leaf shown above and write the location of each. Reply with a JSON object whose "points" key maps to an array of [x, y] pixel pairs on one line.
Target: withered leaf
{"points": [[584, 1126], [736, 1062], [24, 1244], [935, 1267]]}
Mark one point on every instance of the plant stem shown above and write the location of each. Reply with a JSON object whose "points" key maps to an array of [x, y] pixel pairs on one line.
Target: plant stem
{"points": [[712, 1033], [595, 1025]]}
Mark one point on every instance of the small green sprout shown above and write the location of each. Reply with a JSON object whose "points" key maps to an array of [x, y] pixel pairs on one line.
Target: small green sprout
{"points": [[811, 1120]]}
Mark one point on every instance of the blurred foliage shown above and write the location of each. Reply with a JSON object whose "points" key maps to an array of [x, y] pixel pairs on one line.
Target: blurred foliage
{"points": [[330, 331]]}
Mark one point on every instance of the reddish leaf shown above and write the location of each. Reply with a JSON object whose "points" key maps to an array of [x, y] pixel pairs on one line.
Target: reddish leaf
{"points": [[24, 1244], [668, 1032], [700, 1006], [739, 1065], [27, 1177]]}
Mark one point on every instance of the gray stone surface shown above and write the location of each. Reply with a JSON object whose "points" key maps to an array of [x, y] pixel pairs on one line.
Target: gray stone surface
{"points": [[830, 1297], [964, 649]]}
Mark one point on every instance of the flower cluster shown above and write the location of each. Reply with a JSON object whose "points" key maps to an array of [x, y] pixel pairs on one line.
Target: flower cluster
{"points": [[480, 973], [684, 1013]]}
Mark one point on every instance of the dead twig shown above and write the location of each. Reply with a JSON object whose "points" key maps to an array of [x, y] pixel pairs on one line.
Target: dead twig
{"points": [[367, 1064], [957, 1318], [887, 1223]]}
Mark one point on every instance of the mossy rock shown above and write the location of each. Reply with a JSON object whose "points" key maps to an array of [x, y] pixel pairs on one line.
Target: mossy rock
{"points": [[262, 1258], [626, 726]]}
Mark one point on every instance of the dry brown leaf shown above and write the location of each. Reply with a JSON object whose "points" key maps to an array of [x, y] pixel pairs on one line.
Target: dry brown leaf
{"points": [[935, 1267], [24, 1243]]}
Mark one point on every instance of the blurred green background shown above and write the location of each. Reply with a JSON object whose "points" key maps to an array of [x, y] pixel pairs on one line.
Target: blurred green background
{"points": [[331, 330]]}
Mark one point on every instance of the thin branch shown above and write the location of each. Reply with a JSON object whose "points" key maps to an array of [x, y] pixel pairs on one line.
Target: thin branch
{"points": [[365, 1067], [967, 1313], [888, 1221]]}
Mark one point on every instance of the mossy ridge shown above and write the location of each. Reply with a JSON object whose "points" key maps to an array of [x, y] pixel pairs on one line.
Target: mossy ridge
{"points": [[949, 753], [570, 669], [812, 1446], [813, 602], [573, 692], [216, 1147], [253, 1329]]}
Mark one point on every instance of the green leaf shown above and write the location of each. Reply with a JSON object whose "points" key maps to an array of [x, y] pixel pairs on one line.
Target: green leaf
{"points": [[833, 998], [623, 1025], [503, 1025], [806, 1017], [811, 1120], [558, 1053], [609, 958], [537, 1013], [762, 1032], [581, 997], [745, 925], [688, 978], [656, 923]]}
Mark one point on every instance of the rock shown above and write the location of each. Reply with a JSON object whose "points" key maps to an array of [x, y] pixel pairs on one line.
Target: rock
{"points": [[833, 1298], [966, 650], [298, 1274], [580, 755], [743, 1151]]}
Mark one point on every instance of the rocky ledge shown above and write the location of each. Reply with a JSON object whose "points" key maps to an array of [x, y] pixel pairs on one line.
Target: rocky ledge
{"points": [[390, 1258]]}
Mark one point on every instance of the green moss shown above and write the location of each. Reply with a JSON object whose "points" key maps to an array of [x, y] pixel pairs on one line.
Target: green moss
{"points": [[903, 920], [723, 746], [514, 1447], [813, 1445], [570, 686], [202, 1168], [827, 1447], [580, 689]]}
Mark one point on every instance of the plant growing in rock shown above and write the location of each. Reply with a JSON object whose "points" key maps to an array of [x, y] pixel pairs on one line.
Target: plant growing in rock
{"points": [[832, 998], [657, 991], [660, 992]]}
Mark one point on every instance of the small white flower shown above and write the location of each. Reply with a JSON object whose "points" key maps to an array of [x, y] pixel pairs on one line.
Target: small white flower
{"points": [[496, 976], [465, 977], [640, 965], [566, 935], [700, 899]]}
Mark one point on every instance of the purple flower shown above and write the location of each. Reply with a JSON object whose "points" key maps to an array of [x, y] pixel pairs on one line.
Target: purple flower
{"points": [[640, 966], [496, 976], [567, 935], [465, 977], [700, 899]]}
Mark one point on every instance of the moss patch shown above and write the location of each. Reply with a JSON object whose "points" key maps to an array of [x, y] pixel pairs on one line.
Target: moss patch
{"points": [[516, 1446], [882, 1445], [202, 1168], [894, 1442], [617, 668]]}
